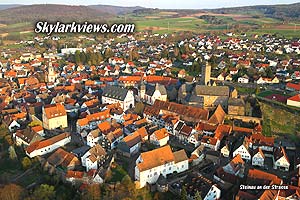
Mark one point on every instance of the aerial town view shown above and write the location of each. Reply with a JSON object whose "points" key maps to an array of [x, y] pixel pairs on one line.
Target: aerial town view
{"points": [[150, 100]]}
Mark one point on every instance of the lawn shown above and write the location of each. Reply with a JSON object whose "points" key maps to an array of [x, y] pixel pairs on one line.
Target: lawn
{"points": [[242, 90]]}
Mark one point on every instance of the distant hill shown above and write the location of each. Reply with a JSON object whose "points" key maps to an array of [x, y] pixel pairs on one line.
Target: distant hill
{"points": [[52, 12], [283, 12], [116, 10], [6, 6]]}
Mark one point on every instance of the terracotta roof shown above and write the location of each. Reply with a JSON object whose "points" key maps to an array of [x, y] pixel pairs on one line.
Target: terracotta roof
{"points": [[131, 79], [104, 126], [56, 110], [155, 158], [242, 130], [295, 98], [258, 174], [142, 132], [44, 143], [188, 113], [222, 130], [261, 140], [74, 174], [17, 116], [161, 134], [83, 122], [132, 139], [294, 86], [99, 116], [37, 128]]}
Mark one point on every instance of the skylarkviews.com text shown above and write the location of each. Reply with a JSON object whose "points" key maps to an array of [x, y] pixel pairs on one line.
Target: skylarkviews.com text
{"points": [[86, 27]]}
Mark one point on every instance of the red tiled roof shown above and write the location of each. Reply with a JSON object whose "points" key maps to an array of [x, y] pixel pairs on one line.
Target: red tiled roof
{"points": [[293, 86], [44, 143], [295, 98], [56, 110], [74, 174]]}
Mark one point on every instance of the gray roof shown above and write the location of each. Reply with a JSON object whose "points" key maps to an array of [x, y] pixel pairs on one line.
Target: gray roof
{"points": [[115, 92], [211, 90], [236, 102], [150, 89]]}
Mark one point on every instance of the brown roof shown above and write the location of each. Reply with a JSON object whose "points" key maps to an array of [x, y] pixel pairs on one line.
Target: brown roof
{"points": [[74, 174], [218, 116], [155, 158], [62, 157], [188, 113], [180, 156], [258, 174]]}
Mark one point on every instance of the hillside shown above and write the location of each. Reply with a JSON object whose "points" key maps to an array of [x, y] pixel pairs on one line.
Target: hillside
{"points": [[282, 12], [116, 10], [51, 12], [6, 6]]}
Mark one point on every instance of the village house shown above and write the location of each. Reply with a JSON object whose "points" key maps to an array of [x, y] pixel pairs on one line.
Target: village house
{"points": [[26, 137], [114, 94], [130, 145], [262, 80], [91, 122], [236, 166], [243, 79], [294, 101], [150, 165], [160, 137], [94, 157], [242, 148], [112, 139], [149, 93], [46, 146], [54, 116], [258, 158], [280, 159], [62, 158]]}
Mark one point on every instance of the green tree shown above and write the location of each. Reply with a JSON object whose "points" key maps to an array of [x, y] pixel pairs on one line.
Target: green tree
{"points": [[83, 58], [183, 195], [269, 72], [12, 153], [108, 53], [198, 196], [77, 57], [139, 108], [44, 192], [99, 58], [26, 163]]}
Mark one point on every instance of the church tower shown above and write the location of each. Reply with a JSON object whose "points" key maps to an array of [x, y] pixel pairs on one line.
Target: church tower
{"points": [[51, 73], [205, 75]]}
